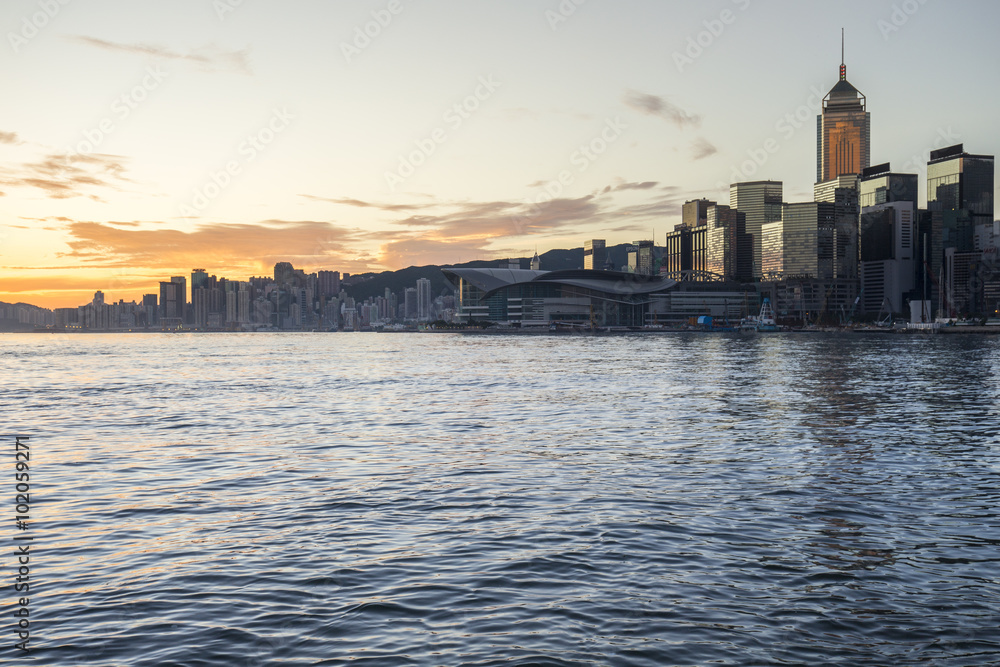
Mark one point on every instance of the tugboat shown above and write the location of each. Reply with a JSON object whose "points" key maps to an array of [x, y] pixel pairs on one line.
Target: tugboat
{"points": [[765, 321]]}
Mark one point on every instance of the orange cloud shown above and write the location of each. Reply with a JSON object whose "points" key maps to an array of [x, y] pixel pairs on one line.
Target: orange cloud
{"points": [[125, 260], [222, 246]]}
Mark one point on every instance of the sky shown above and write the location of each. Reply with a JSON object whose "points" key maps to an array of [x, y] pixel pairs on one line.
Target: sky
{"points": [[142, 139]]}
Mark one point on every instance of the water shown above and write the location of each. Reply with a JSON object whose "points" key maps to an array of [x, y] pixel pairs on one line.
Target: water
{"points": [[443, 499]]}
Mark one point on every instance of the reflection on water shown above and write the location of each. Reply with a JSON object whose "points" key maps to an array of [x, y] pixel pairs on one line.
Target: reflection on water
{"points": [[463, 500]]}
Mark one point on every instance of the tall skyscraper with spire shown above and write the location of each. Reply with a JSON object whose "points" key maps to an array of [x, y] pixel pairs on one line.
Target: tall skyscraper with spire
{"points": [[843, 137]]}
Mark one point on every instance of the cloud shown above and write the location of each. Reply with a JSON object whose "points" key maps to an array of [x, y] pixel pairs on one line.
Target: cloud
{"points": [[469, 229], [500, 219], [364, 204], [474, 229], [209, 58], [241, 247], [702, 148], [645, 185], [444, 232], [8, 138], [63, 176], [657, 210], [657, 106]]}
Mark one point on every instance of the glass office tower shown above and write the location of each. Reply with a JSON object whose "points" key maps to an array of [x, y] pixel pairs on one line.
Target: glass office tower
{"points": [[843, 132], [960, 200], [761, 202], [695, 213], [729, 249], [957, 181], [594, 253], [879, 185]]}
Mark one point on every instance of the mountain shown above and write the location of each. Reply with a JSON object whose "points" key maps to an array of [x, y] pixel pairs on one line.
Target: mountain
{"points": [[365, 285]]}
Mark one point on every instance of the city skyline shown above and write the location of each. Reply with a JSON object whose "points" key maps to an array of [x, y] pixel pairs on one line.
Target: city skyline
{"points": [[231, 135]]}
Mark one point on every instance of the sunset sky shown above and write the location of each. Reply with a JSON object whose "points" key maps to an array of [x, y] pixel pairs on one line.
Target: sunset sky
{"points": [[141, 139]]}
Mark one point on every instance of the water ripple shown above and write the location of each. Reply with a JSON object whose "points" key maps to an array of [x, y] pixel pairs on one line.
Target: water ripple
{"points": [[460, 500]]}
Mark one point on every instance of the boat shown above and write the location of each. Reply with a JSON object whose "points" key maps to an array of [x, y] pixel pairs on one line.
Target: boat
{"points": [[765, 321]]}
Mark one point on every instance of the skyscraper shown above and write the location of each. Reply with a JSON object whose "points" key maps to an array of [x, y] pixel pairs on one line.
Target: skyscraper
{"points": [[182, 302], [842, 191], [284, 273], [800, 245], [761, 202], [328, 283], [957, 181], [594, 254], [640, 258], [879, 185], [888, 255], [685, 255], [843, 131], [423, 299], [695, 213], [960, 199], [171, 303], [729, 249], [410, 303], [199, 278]]}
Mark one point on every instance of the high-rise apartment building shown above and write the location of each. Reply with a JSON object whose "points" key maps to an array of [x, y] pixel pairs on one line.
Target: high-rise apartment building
{"points": [[761, 201], [843, 131], [410, 303], [149, 306], [284, 273], [423, 300], [199, 278], [171, 303], [328, 283]]}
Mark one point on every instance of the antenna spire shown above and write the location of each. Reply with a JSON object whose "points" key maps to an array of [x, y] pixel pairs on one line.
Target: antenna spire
{"points": [[843, 67]]}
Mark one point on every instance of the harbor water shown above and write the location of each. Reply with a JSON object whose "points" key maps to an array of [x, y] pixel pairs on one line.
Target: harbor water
{"points": [[449, 499]]}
